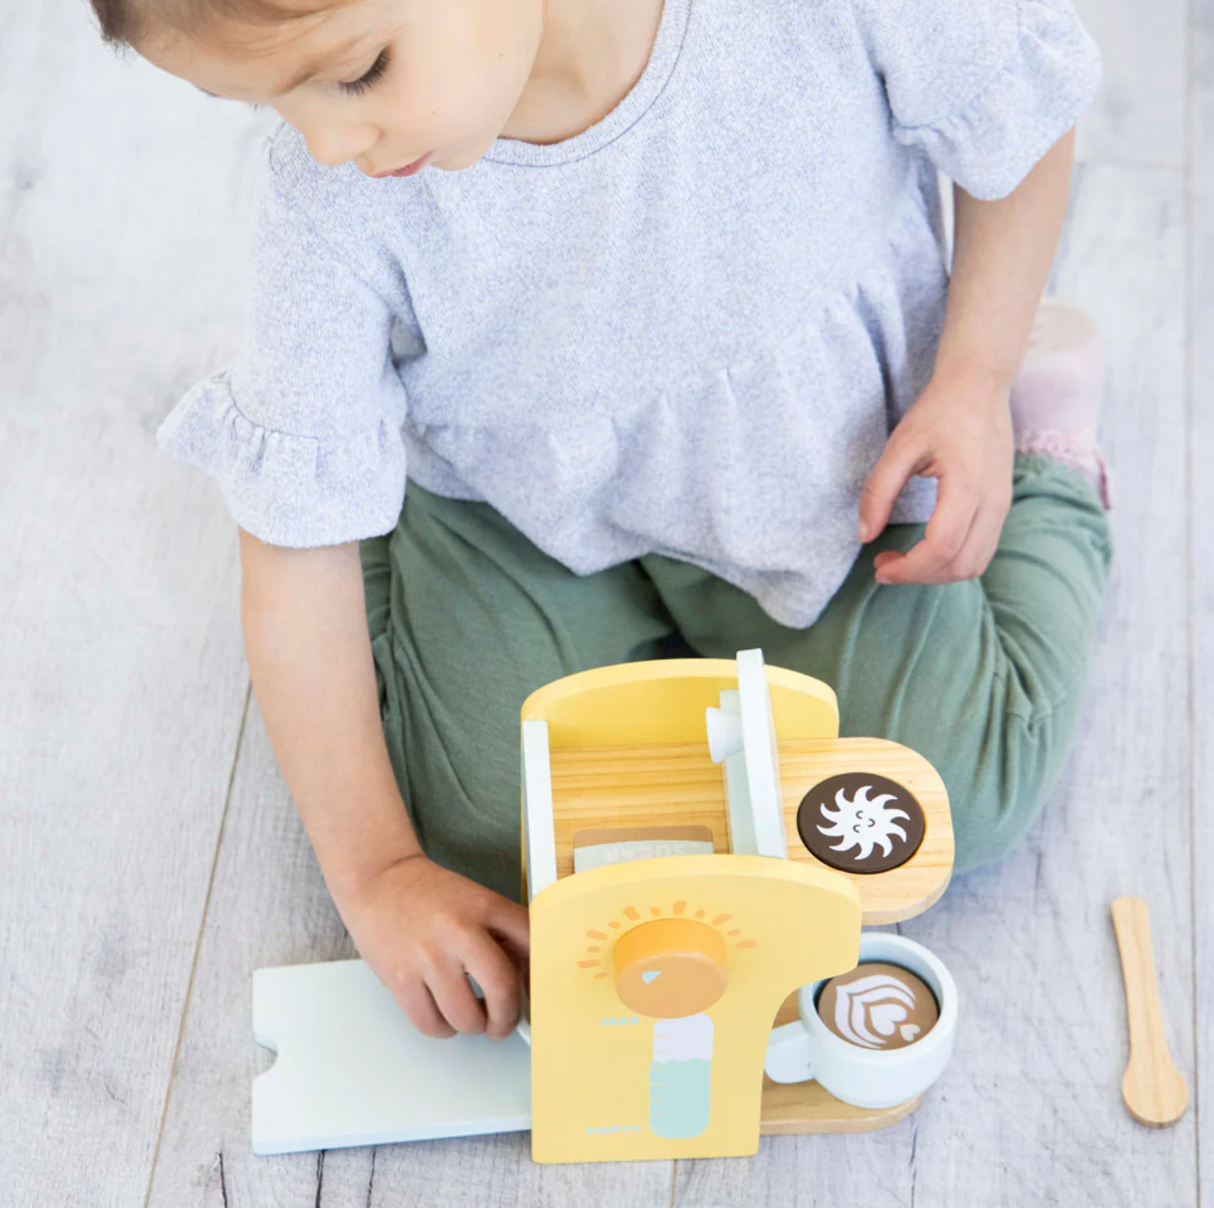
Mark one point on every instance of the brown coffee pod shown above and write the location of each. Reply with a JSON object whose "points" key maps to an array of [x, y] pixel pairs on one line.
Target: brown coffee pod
{"points": [[858, 822], [878, 1006]]}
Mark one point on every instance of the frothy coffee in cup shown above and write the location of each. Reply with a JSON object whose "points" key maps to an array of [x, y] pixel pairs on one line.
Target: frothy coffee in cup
{"points": [[878, 1006]]}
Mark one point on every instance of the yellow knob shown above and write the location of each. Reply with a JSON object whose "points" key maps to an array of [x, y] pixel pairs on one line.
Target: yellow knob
{"points": [[670, 968]]}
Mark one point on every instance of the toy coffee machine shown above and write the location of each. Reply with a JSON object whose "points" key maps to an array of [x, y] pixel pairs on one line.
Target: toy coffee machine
{"points": [[676, 904], [701, 851]]}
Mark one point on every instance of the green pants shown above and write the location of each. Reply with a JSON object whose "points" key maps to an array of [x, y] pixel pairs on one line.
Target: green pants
{"points": [[984, 678]]}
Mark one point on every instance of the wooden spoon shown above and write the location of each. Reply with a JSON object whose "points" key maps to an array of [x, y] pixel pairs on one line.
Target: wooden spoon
{"points": [[1153, 1088]]}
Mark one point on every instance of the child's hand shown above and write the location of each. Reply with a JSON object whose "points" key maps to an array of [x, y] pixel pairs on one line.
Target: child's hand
{"points": [[421, 928], [959, 430]]}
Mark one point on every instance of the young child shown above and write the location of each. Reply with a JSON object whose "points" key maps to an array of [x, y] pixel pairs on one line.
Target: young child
{"points": [[663, 335]]}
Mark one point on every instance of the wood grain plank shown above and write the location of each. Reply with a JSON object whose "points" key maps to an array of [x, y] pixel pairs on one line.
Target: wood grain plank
{"points": [[1137, 115], [1201, 508], [122, 678], [268, 906]]}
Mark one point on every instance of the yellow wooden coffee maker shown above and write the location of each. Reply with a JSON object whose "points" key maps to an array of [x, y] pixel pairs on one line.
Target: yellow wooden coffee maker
{"points": [[699, 843]]}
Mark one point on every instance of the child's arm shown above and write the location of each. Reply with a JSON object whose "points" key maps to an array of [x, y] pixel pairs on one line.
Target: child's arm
{"points": [[959, 430], [419, 926]]}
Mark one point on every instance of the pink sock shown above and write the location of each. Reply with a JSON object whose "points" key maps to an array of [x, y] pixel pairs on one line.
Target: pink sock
{"points": [[1056, 394]]}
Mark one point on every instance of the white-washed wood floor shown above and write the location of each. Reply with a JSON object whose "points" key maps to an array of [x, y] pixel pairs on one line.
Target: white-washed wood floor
{"points": [[150, 857]]}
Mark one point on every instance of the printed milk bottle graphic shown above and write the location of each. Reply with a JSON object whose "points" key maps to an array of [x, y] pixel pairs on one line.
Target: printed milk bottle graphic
{"points": [[680, 1077]]}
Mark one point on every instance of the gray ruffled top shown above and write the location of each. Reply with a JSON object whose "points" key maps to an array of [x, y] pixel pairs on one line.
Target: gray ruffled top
{"points": [[687, 330]]}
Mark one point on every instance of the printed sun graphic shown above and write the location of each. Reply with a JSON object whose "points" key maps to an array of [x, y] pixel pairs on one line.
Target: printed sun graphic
{"points": [[862, 822], [598, 953]]}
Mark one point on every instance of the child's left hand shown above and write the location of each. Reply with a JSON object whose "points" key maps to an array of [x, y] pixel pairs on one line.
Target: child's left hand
{"points": [[959, 430]]}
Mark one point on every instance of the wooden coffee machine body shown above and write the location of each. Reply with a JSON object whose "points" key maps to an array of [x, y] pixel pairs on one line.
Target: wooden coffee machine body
{"points": [[620, 756]]}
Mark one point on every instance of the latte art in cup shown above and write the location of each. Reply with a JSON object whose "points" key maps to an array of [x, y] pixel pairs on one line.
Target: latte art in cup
{"points": [[878, 1006]]}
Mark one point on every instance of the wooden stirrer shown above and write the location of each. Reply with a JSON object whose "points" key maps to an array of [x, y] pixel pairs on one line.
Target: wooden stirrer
{"points": [[1153, 1088]]}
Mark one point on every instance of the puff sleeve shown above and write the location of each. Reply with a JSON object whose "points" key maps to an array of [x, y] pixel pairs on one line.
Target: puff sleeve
{"points": [[303, 430], [984, 88]]}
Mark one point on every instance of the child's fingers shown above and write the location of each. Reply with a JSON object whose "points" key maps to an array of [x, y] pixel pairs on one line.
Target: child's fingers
{"points": [[418, 1004], [460, 1007], [901, 458], [521, 958], [512, 924], [980, 545], [498, 979], [972, 559], [957, 509]]}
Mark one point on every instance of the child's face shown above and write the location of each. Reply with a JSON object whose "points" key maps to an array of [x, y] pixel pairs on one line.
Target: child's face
{"points": [[453, 71]]}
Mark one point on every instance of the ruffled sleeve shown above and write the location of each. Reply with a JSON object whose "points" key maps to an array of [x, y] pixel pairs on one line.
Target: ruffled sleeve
{"points": [[303, 431], [984, 88]]}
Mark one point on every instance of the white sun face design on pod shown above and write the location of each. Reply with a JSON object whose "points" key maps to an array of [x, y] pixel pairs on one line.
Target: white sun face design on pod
{"points": [[862, 823]]}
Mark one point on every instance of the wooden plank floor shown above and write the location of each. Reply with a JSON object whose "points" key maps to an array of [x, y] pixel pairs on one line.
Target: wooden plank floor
{"points": [[1201, 562], [150, 857]]}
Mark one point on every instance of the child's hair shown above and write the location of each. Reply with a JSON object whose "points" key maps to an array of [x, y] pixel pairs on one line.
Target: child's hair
{"points": [[124, 23]]}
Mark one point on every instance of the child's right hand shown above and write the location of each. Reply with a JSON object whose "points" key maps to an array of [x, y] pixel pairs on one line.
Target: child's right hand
{"points": [[423, 928]]}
